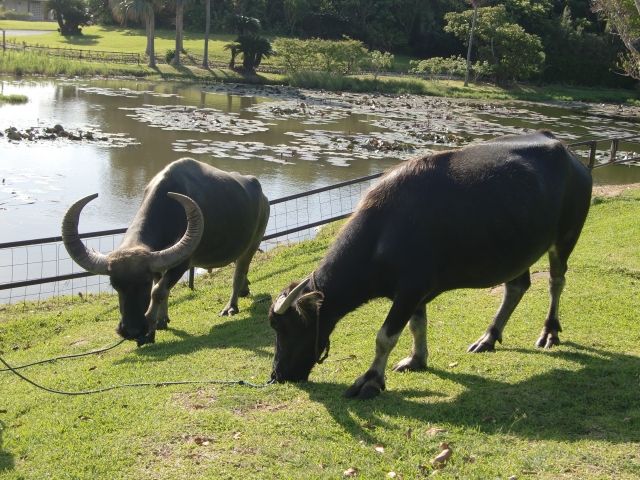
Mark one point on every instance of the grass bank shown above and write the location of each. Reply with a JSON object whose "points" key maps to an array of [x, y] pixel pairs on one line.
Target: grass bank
{"points": [[13, 99], [573, 412]]}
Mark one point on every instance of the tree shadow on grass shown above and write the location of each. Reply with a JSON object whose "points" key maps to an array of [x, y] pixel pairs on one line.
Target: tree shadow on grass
{"points": [[6, 459], [251, 333], [598, 401], [82, 40]]}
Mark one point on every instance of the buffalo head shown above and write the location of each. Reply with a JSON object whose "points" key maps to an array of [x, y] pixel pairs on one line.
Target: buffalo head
{"points": [[300, 338], [132, 270]]}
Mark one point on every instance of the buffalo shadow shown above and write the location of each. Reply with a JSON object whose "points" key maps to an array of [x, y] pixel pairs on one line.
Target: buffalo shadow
{"points": [[600, 400], [6, 458], [251, 333]]}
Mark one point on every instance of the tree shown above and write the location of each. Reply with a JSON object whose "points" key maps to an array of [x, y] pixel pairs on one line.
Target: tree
{"points": [[380, 61], [253, 48], [512, 53], [207, 28], [124, 10], [179, 28], [475, 4], [70, 15], [624, 19]]}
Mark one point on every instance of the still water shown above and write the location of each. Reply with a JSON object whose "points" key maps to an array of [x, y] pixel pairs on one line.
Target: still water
{"points": [[291, 141]]}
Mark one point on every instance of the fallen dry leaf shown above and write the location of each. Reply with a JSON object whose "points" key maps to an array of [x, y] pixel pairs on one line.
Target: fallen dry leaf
{"points": [[350, 472], [237, 435], [443, 457], [392, 474], [433, 431], [379, 448], [453, 364]]}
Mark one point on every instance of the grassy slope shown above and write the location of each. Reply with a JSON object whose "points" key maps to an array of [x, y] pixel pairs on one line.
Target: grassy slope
{"points": [[573, 412]]}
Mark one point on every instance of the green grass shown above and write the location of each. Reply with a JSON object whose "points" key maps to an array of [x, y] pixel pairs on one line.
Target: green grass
{"points": [[13, 99], [573, 412], [27, 25]]}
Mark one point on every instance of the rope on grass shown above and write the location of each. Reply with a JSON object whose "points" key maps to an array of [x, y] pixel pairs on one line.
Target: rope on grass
{"points": [[61, 357], [14, 370]]}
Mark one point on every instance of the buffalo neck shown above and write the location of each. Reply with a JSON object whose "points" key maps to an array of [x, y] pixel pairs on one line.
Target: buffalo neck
{"points": [[344, 275]]}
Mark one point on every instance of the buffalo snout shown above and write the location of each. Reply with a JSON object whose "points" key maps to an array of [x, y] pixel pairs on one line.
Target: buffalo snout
{"points": [[131, 333]]}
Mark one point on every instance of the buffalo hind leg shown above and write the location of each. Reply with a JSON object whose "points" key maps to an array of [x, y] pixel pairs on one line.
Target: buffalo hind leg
{"points": [[513, 292], [157, 314], [557, 269], [372, 382], [418, 358]]}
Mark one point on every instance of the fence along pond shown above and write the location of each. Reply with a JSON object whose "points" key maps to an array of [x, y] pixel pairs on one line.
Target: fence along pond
{"points": [[41, 268]]}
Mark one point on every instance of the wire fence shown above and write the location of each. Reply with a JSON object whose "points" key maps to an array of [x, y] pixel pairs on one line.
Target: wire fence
{"points": [[100, 56], [39, 269]]}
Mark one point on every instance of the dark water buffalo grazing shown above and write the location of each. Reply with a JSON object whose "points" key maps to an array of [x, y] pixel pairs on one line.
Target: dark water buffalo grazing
{"points": [[226, 215], [471, 218]]}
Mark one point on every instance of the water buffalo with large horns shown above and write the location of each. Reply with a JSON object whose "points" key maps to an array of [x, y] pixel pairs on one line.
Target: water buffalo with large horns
{"points": [[192, 214], [471, 218]]}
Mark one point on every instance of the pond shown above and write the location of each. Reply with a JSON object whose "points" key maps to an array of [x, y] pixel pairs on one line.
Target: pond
{"points": [[119, 133]]}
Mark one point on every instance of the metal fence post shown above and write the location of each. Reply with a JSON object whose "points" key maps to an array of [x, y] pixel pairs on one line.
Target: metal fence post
{"points": [[614, 150], [192, 273], [592, 154]]}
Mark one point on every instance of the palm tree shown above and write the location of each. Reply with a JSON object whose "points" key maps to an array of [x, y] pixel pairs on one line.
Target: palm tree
{"points": [[124, 10], [179, 23], [253, 48], [207, 28]]}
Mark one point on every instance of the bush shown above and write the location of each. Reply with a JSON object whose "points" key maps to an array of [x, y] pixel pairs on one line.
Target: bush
{"points": [[333, 56], [13, 15], [454, 66]]}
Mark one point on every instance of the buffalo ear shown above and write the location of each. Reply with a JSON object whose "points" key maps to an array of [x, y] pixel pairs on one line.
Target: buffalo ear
{"points": [[308, 305]]}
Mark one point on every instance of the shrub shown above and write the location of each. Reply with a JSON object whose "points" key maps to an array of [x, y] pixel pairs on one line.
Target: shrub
{"points": [[333, 56], [13, 15]]}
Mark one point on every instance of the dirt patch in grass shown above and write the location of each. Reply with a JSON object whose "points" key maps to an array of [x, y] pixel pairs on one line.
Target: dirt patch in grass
{"points": [[259, 406], [608, 191], [198, 400]]}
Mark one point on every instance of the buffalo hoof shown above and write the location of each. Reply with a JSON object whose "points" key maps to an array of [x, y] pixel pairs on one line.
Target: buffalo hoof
{"points": [[548, 338], [410, 364], [486, 343], [162, 324], [229, 311], [149, 338], [369, 385]]}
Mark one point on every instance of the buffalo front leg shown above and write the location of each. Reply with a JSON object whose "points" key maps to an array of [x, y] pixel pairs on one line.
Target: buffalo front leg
{"points": [[157, 314], [513, 292], [558, 267], [372, 382], [418, 358]]}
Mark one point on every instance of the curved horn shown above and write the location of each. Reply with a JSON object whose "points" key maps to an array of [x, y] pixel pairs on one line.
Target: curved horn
{"points": [[90, 260], [168, 258], [283, 303]]}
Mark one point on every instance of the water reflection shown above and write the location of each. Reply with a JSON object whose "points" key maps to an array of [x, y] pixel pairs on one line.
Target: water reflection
{"points": [[40, 180]]}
